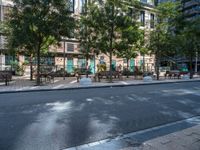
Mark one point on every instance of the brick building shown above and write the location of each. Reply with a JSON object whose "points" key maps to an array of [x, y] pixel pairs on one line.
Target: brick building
{"points": [[70, 48]]}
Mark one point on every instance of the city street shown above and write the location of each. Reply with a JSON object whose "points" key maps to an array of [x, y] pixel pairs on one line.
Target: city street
{"points": [[60, 119]]}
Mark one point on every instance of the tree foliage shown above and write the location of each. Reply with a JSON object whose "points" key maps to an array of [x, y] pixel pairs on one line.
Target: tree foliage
{"points": [[87, 34], [107, 24], [188, 37], [131, 42], [161, 42], [35, 25]]}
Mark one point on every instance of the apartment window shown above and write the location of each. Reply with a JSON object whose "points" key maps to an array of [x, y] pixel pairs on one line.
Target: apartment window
{"points": [[71, 5], [70, 47], [143, 1], [142, 18], [152, 20], [101, 60], [9, 59], [82, 6]]}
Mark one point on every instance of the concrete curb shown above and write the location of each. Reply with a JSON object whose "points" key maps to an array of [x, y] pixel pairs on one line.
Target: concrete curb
{"points": [[100, 86]]}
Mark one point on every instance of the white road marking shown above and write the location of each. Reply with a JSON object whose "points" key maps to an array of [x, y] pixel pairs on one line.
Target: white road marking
{"points": [[55, 81], [125, 83], [72, 82], [58, 86]]}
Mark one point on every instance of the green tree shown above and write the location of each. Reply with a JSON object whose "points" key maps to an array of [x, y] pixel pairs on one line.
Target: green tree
{"points": [[130, 44], [143, 47], [160, 37], [108, 20], [35, 25], [188, 38], [87, 34]]}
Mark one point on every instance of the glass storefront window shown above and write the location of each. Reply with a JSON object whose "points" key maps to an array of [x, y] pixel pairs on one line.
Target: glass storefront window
{"points": [[81, 63]]}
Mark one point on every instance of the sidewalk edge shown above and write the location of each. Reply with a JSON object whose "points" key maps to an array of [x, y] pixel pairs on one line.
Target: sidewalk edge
{"points": [[98, 86]]}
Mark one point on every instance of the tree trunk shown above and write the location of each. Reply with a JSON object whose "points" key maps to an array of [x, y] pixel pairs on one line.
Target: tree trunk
{"points": [[158, 58], [110, 72], [127, 75], [38, 66], [111, 44], [143, 65], [157, 65], [87, 69], [31, 67], [64, 62]]}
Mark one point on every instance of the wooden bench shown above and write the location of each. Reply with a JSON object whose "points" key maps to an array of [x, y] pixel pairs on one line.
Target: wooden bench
{"points": [[50, 77], [106, 74], [6, 76]]}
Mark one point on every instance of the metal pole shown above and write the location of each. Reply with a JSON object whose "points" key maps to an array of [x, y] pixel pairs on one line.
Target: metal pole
{"points": [[94, 64], [64, 62]]}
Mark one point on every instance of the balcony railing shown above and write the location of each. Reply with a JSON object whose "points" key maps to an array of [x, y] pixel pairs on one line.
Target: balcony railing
{"points": [[191, 3]]}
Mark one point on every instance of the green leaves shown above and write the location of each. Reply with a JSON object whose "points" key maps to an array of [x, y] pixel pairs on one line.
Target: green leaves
{"points": [[35, 25], [34, 22], [108, 26], [160, 37]]}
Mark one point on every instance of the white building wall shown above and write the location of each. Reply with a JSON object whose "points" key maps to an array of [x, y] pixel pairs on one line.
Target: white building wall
{"points": [[2, 62]]}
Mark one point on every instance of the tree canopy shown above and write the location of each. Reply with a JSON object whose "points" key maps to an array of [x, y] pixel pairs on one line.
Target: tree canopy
{"points": [[108, 23], [35, 25], [161, 42]]}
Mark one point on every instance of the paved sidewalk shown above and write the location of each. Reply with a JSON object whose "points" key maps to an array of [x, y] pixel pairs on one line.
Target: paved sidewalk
{"points": [[188, 139], [24, 84]]}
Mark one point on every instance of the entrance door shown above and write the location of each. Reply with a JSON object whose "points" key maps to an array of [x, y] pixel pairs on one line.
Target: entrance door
{"points": [[114, 63], [132, 65], [70, 65], [92, 66]]}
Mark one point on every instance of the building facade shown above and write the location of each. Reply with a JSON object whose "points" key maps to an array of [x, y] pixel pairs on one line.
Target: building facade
{"points": [[191, 8], [69, 55]]}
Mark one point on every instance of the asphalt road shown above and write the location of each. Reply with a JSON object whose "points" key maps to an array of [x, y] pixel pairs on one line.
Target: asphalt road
{"points": [[59, 119]]}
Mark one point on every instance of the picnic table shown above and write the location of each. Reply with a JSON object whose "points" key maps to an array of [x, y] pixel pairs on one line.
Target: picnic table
{"points": [[46, 77], [6, 76]]}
